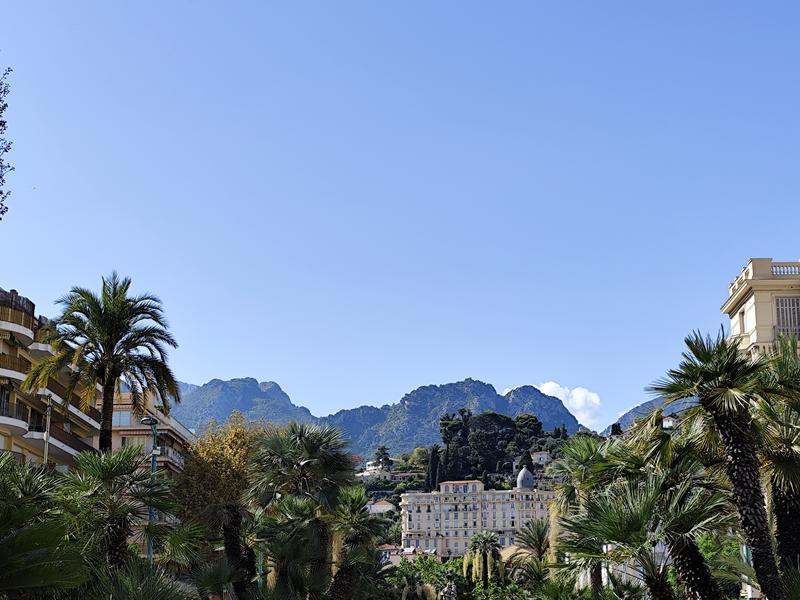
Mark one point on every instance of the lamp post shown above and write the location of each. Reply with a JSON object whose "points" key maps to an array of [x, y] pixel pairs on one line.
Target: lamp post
{"points": [[47, 430], [152, 422]]}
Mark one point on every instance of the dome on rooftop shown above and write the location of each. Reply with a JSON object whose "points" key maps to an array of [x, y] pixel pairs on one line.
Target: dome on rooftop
{"points": [[525, 479]]}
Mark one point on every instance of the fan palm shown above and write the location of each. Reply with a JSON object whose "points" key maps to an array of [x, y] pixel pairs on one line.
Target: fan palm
{"points": [[778, 433], [288, 536], [99, 339], [34, 554], [414, 588], [308, 462], [301, 460], [580, 456], [619, 521], [137, 581], [107, 496], [356, 532], [693, 498], [528, 563], [727, 385], [483, 557]]}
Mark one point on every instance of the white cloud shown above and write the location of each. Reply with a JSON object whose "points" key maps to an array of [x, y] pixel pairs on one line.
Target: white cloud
{"points": [[583, 403]]}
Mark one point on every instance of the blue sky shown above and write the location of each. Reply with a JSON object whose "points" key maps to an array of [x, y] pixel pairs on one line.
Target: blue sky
{"points": [[355, 199]]}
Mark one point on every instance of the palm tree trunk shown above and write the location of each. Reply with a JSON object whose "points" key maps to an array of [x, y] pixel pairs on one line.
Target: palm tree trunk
{"points": [[106, 416], [693, 572], [116, 543], [658, 588], [596, 580], [343, 584], [741, 466], [232, 540], [786, 508]]}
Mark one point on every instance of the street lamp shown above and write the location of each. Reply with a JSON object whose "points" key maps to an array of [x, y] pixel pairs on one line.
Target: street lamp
{"points": [[152, 422]]}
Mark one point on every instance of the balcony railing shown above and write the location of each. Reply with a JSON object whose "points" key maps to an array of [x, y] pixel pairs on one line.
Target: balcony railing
{"points": [[12, 315], [787, 330], [786, 269], [172, 454], [61, 391], [14, 410], [14, 363], [62, 436], [13, 300]]}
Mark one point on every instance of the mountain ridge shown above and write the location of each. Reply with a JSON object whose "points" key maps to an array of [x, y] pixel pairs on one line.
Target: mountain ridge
{"points": [[412, 421]]}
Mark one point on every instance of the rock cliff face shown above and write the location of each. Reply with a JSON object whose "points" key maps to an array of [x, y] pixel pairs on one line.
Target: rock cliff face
{"points": [[217, 399], [412, 422]]}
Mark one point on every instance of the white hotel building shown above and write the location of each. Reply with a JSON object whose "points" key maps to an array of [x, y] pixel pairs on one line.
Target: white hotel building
{"points": [[445, 520]]}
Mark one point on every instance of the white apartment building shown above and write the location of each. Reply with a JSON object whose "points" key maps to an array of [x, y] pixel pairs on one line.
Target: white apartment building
{"points": [[764, 303], [445, 520]]}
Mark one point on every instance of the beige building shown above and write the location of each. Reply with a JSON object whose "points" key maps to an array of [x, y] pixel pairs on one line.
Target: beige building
{"points": [[444, 521], [173, 437], [23, 415], [764, 303]]}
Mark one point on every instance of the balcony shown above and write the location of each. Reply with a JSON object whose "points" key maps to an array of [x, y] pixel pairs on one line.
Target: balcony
{"points": [[14, 417], [17, 322], [60, 393], [39, 348], [63, 445], [14, 367], [168, 455]]}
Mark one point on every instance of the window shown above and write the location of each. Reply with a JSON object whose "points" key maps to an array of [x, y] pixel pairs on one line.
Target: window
{"points": [[121, 418], [788, 316], [5, 400], [741, 322]]}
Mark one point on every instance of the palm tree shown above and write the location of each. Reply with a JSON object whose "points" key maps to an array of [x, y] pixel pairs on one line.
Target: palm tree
{"points": [[693, 498], [534, 539], [34, 555], [414, 588], [137, 581], [103, 339], [288, 535], [727, 385], [301, 460], [483, 557], [529, 561], [778, 431], [778, 434], [619, 522], [308, 462], [356, 532], [579, 459], [108, 496], [446, 582]]}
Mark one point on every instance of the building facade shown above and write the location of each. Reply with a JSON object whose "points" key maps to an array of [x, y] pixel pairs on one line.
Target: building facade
{"points": [[444, 521], [25, 432], [173, 437], [764, 303]]}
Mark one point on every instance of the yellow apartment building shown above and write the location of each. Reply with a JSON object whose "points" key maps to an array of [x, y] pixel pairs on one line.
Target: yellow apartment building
{"points": [[23, 416], [173, 437], [764, 303]]}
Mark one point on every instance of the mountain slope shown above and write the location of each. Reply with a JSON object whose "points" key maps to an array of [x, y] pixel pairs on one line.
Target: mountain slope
{"points": [[412, 422], [217, 399], [627, 419]]}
